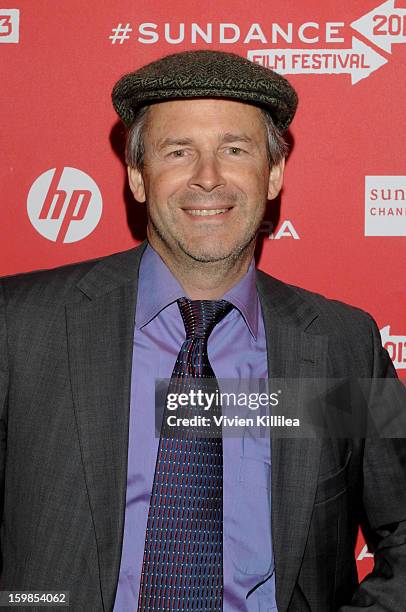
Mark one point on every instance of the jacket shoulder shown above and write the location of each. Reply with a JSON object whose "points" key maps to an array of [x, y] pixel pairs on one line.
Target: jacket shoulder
{"points": [[331, 316], [55, 285], [332, 308], [353, 335]]}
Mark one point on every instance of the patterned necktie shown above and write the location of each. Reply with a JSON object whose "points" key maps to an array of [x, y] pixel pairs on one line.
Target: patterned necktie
{"points": [[182, 566]]}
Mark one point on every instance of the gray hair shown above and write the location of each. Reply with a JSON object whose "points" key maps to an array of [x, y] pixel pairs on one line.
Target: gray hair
{"points": [[277, 148]]}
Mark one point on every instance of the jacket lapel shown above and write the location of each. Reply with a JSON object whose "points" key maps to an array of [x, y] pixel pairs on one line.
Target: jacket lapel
{"points": [[293, 352], [100, 340]]}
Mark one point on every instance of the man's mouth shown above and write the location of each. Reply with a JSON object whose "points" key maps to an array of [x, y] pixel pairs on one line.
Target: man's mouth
{"points": [[205, 212]]}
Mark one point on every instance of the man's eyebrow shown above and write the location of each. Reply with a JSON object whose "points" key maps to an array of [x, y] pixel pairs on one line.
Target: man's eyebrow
{"points": [[237, 137], [168, 142]]}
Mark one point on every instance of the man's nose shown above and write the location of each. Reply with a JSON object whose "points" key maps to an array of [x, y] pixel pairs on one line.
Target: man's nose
{"points": [[207, 173]]}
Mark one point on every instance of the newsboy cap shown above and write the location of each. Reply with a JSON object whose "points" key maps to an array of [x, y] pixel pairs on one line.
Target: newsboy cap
{"points": [[205, 74]]}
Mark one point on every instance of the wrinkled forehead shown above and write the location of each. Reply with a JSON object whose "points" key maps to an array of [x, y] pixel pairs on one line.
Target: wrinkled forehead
{"points": [[204, 118]]}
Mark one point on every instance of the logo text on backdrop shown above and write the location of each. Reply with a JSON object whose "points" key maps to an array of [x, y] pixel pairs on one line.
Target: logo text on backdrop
{"points": [[396, 347], [385, 206], [9, 25], [383, 26], [64, 204]]}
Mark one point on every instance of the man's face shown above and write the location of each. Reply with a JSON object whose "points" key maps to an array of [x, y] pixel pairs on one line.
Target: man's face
{"points": [[206, 178]]}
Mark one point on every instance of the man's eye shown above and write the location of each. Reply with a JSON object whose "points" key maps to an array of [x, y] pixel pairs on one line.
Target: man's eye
{"points": [[235, 150], [177, 153]]}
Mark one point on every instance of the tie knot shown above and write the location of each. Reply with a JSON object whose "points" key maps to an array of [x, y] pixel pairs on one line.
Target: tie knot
{"points": [[201, 316]]}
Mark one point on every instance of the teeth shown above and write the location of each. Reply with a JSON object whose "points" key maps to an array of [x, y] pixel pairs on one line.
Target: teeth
{"points": [[206, 212]]}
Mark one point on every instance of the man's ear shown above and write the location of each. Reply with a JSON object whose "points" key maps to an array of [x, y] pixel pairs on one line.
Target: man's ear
{"points": [[136, 183], [276, 179]]}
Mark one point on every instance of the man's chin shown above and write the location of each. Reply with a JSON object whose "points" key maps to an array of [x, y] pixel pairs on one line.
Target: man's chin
{"points": [[210, 255]]}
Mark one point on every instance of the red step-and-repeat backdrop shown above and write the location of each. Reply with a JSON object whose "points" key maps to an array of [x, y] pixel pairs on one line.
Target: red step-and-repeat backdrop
{"points": [[339, 226]]}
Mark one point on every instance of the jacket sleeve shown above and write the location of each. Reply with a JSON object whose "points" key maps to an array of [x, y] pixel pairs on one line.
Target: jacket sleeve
{"points": [[384, 497]]}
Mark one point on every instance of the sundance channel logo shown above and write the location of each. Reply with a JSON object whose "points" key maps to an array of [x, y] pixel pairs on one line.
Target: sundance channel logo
{"points": [[64, 204], [385, 206]]}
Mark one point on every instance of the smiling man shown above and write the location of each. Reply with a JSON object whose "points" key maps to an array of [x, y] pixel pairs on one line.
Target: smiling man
{"points": [[99, 502], [206, 184]]}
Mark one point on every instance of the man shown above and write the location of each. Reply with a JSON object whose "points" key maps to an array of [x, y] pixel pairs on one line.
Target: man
{"points": [[94, 502]]}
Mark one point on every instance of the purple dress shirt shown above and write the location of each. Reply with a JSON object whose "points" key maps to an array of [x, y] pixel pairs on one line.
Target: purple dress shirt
{"points": [[237, 350]]}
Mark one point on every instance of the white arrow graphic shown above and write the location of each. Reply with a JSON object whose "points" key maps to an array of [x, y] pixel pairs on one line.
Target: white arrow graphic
{"points": [[396, 347], [359, 61], [383, 26]]}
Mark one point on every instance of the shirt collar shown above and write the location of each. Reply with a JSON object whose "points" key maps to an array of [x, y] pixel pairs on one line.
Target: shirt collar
{"points": [[159, 288]]}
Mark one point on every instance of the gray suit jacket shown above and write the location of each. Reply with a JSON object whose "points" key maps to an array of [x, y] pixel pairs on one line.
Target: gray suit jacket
{"points": [[65, 364]]}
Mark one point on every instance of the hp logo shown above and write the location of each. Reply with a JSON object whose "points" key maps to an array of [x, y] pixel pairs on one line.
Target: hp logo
{"points": [[64, 205]]}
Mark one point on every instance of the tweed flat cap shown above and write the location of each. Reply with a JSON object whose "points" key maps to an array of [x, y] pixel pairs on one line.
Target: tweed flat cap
{"points": [[205, 74]]}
